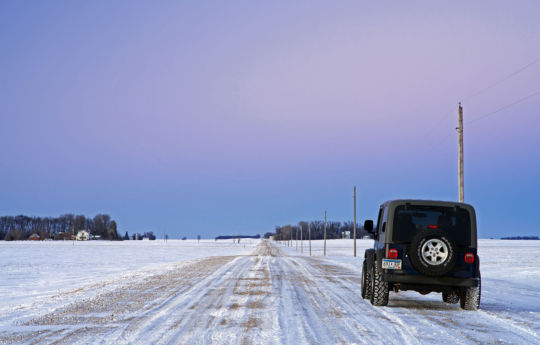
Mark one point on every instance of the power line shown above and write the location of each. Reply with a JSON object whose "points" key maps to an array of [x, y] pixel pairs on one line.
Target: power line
{"points": [[436, 145], [500, 81], [479, 92], [439, 121], [443, 139], [504, 107]]}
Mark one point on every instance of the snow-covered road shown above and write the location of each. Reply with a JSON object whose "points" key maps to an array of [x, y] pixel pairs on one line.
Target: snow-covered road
{"points": [[270, 297]]}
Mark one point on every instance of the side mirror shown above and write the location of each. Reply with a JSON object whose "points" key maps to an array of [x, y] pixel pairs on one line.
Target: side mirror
{"points": [[368, 226]]}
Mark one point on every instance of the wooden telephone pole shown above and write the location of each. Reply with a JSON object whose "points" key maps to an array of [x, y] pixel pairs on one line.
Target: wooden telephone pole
{"points": [[324, 233], [296, 238], [354, 224], [309, 230], [460, 163], [301, 241]]}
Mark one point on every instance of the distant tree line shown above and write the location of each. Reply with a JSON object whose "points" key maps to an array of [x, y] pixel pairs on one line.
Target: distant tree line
{"points": [[228, 237], [136, 236], [333, 230], [18, 228], [521, 238]]}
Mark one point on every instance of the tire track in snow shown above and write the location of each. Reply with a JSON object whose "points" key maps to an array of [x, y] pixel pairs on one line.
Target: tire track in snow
{"points": [[99, 316], [331, 288], [231, 305], [162, 324]]}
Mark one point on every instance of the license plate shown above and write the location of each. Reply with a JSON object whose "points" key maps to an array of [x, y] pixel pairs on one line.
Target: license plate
{"points": [[391, 264]]}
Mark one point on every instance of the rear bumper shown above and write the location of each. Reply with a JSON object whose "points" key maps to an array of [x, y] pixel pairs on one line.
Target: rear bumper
{"points": [[425, 280]]}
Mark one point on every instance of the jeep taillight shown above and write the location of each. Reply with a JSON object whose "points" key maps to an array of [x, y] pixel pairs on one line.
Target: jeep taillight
{"points": [[469, 258], [392, 254]]}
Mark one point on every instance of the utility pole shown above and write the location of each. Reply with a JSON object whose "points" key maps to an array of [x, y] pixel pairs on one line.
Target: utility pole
{"points": [[301, 241], [290, 237], [460, 139], [354, 224], [296, 238], [324, 233], [309, 230]]}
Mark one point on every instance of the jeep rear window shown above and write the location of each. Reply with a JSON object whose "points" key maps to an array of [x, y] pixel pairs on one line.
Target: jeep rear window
{"points": [[411, 219]]}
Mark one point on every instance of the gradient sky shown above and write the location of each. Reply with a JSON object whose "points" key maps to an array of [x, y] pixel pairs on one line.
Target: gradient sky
{"points": [[226, 117]]}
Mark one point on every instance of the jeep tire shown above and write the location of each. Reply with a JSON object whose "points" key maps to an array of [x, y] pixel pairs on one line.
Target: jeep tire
{"points": [[450, 298], [432, 253], [470, 297], [379, 288], [366, 282]]}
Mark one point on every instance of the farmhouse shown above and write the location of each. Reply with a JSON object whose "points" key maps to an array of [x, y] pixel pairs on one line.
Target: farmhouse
{"points": [[34, 237], [83, 235]]}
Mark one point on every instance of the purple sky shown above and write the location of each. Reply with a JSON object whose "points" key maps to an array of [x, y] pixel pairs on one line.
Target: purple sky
{"points": [[219, 117]]}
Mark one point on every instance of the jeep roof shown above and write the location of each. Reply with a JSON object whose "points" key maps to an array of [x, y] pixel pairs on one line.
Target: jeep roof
{"points": [[392, 204]]}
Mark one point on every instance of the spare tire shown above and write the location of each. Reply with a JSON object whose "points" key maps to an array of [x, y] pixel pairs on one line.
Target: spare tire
{"points": [[432, 253]]}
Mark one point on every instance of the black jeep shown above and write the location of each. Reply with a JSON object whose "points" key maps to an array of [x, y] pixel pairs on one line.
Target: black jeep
{"points": [[425, 246]]}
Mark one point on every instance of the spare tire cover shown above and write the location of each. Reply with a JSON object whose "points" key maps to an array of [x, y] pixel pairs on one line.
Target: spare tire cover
{"points": [[432, 253]]}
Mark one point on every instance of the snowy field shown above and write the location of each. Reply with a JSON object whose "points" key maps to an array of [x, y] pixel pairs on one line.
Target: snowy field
{"points": [[255, 292], [32, 271]]}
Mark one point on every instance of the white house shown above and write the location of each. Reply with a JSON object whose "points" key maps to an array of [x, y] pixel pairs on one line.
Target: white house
{"points": [[83, 235]]}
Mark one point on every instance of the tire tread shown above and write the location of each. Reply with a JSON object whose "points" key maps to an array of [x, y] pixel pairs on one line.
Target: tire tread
{"points": [[449, 298], [366, 282], [379, 289], [470, 297]]}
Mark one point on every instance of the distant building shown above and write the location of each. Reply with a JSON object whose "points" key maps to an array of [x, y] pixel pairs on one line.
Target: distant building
{"points": [[83, 235], [64, 236], [346, 234], [34, 237]]}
